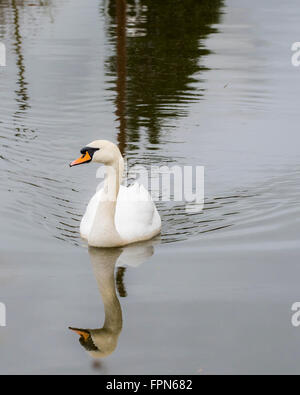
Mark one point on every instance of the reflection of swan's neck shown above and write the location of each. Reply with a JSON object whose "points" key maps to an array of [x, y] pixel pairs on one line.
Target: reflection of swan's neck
{"points": [[106, 284], [104, 221], [105, 339]]}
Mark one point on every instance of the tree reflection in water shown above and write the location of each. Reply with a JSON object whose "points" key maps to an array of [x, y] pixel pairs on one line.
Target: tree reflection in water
{"points": [[157, 60]]}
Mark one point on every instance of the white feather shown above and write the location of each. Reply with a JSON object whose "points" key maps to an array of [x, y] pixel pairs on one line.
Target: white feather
{"points": [[136, 216]]}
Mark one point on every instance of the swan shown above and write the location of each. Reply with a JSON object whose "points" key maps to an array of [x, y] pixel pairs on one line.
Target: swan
{"points": [[116, 215]]}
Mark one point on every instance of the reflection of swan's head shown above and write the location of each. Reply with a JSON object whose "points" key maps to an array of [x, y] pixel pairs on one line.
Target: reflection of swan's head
{"points": [[99, 343], [100, 151]]}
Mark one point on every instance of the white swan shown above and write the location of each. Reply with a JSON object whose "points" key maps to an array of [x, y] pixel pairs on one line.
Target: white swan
{"points": [[116, 215]]}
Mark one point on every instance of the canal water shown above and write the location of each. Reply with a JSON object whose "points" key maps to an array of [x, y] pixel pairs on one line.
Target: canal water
{"points": [[195, 83]]}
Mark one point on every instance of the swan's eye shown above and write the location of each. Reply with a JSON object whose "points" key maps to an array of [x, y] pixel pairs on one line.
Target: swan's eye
{"points": [[90, 151]]}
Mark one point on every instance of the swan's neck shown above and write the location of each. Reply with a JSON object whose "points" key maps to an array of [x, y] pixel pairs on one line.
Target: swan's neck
{"points": [[113, 178], [104, 232]]}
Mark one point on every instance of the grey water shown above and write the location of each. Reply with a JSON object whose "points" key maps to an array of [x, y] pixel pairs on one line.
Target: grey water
{"points": [[206, 83]]}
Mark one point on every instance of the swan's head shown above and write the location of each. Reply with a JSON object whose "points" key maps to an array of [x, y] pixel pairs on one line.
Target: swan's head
{"points": [[100, 151]]}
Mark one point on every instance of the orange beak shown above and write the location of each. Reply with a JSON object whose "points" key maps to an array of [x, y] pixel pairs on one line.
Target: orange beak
{"points": [[82, 159], [81, 332]]}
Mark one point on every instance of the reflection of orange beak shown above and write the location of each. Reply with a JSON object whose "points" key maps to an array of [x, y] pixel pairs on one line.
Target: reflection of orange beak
{"points": [[83, 159], [81, 332]]}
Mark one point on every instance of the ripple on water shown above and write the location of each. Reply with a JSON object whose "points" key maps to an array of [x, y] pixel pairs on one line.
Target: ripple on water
{"points": [[44, 117]]}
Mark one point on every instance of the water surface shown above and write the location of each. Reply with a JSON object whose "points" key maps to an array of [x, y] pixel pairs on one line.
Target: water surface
{"points": [[178, 83]]}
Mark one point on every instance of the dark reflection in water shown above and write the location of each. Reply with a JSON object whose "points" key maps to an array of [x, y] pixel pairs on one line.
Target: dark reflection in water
{"points": [[157, 61], [120, 282], [22, 94], [121, 72], [14, 13], [101, 342]]}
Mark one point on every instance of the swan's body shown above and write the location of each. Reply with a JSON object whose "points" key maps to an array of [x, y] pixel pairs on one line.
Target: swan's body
{"points": [[136, 217], [116, 215]]}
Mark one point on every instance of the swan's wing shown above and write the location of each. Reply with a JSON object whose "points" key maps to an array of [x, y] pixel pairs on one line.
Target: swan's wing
{"points": [[136, 215], [89, 215]]}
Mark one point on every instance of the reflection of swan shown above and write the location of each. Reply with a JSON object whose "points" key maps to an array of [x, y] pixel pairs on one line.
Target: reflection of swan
{"points": [[103, 341], [116, 215], [99, 343]]}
